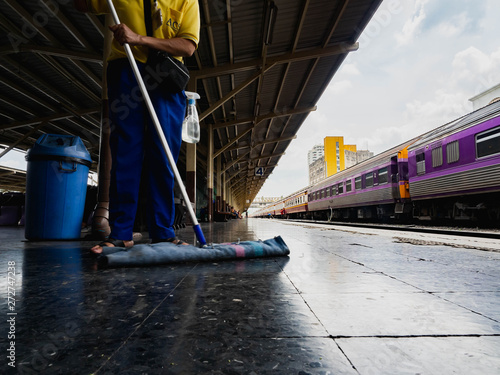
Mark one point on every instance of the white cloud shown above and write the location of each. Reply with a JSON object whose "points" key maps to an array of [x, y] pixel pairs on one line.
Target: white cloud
{"points": [[412, 27], [455, 26], [476, 70], [349, 69], [338, 87]]}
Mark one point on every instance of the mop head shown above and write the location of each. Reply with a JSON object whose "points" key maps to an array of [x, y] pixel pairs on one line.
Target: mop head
{"points": [[167, 253]]}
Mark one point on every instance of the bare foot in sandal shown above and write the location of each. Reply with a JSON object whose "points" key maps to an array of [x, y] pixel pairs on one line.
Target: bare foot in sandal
{"points": [[97, 249]]}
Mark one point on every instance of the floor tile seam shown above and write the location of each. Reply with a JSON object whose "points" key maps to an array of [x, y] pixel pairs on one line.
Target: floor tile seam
{"points": [[413, 286], [395, 292], [362, 292], [126, 340], [395, 278], [458, 267], [427, 292], [465, 335], [424, 290], [466, 308], [307, 304], [467, 291], [392, 252]]}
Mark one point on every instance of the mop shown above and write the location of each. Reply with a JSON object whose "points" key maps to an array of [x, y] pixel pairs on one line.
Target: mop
{"points": [[163, 252]]}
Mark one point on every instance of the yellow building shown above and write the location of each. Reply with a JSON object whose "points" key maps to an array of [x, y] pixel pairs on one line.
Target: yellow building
{"points": [[335, 155]]}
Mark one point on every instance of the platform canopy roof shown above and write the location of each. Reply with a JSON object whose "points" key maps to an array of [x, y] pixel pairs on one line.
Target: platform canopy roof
{"points": [[260, 69]]}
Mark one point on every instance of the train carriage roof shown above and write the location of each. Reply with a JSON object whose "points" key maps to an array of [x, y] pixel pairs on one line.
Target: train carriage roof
{"points": [[481, 115]]}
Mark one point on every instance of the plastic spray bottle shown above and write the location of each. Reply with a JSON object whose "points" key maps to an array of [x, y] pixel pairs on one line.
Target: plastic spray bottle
{"points": [[191, 124]]}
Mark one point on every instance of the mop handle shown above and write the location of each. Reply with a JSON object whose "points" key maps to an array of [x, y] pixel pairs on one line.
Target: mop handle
{"points": [[154, 117]]}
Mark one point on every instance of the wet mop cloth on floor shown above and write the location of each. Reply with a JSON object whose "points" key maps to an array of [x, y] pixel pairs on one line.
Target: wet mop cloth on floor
{"points": [[165, 253]]}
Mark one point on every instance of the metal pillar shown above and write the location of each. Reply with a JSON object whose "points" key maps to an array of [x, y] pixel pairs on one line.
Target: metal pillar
{"points": [[210, 172], [100, 220], [218, 198], [224, 189]]}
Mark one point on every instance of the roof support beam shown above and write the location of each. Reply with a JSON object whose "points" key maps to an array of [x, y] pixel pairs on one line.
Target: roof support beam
{"points": [[265, 142], [262, 118], [267, 116], [55, 117], [52, 51], [221, 150], [228, 166], [273, 60], [231, 94]]}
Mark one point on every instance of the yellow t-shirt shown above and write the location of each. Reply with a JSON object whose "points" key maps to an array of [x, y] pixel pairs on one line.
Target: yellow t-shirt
{"points": [[180, 19]]}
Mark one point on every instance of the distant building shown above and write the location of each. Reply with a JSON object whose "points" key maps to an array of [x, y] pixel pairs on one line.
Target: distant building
{"points": [[339, 156], [362, 155], [486, 97], [317, 170], [334, 156], [315, 153]]}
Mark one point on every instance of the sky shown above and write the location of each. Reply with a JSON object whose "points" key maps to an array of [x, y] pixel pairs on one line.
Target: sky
{"points": [[418, 64]]}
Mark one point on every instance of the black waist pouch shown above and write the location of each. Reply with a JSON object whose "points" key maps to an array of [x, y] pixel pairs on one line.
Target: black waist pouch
{"points": [[170, 73]]}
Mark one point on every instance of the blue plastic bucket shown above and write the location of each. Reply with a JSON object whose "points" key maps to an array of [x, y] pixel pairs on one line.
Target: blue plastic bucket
{"points": [[56, 187]]}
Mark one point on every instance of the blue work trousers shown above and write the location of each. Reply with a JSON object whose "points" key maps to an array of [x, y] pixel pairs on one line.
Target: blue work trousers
{"points": [[135, 144]]}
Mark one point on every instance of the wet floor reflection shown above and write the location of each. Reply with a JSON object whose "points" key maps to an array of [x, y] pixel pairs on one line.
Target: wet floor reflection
{"points": [[339, 301]]}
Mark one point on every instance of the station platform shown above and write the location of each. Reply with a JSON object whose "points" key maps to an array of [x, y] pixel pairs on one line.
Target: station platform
{"points": [[341, 303]]}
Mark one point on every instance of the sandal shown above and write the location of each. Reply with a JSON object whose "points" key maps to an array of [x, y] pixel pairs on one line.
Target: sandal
{"points": [[174, 240], [110, 242]]}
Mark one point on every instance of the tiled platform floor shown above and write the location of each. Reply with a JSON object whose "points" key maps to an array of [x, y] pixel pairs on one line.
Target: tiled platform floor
{"points": [[341, 303]]}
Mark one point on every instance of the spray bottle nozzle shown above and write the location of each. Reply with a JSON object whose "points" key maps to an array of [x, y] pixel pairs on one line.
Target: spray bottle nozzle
{"points": [[192, 95]]}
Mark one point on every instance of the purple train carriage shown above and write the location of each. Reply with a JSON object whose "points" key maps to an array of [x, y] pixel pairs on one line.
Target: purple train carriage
{"points": [[454, 170], [451, 172]]}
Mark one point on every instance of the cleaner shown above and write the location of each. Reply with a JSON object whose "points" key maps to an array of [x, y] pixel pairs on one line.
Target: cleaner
{"points": [[191, 124]]}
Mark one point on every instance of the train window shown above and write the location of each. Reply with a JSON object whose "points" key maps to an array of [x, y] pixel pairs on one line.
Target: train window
{"points": [[369, 179], [357, 183], [420, 163], [383, 176], [452, 152], [437, 157], [488, 142], [340, 188], [348, 186]]}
